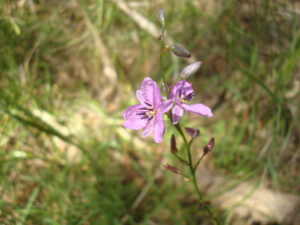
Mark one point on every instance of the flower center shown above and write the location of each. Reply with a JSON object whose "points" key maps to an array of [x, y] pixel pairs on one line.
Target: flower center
{"points": [[151, 113], [147, 112], [185, 96], [182, 98]]}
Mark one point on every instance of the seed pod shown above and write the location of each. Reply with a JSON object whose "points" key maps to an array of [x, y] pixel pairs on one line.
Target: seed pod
{"points": [[207, 148], [162, 15], [180, 51], [193, 132], [173, 169], [190, 69], [174, 149]]}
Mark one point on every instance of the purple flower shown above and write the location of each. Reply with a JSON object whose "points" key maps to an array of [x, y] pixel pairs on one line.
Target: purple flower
{"points": [[181, 93], [149, 114]]}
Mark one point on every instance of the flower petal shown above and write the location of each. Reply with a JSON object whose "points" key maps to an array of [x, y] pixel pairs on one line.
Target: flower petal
{"points": [[134, 121], [131, 110], [177, 113], [149, 128], [174, 91], [151, 92], [181, 87], [199, 109], [159, 128], [140, 97], [165, 106]]}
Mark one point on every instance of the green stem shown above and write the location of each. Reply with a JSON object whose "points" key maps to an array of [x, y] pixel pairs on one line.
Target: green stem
{"points": [[187, 146], [181, 159], [186, 143], [198, 162], [200, 196], [193, 173], [161, 60]]}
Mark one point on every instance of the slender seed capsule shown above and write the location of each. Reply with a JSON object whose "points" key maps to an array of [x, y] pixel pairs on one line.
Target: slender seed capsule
{"points": [[180, 51], [193, 132], [190, 69], [162, 16]]}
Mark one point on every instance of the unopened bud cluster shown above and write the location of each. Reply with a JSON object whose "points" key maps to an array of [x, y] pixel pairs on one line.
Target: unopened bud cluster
{"points": [[177, 50]]}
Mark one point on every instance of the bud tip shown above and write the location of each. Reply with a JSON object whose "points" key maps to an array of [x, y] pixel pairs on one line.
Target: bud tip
{"points": [[193, 132]]}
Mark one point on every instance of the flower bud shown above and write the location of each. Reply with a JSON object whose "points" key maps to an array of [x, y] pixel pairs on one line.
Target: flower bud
{"points": [[162, 15], [180, 51], [193, 132], [174, 149], [207, 148], [173, 169], [190, 69]]}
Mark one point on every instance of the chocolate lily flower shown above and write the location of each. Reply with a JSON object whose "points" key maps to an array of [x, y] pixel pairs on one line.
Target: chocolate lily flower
{"points": [[149, 114], [182, 93]]}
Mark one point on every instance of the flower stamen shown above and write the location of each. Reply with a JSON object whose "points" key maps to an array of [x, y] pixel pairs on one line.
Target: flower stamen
{"points": [[182, 98]]}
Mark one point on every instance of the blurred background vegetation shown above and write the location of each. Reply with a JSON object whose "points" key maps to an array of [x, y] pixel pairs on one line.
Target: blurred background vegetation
{"points": [[69, 68]]}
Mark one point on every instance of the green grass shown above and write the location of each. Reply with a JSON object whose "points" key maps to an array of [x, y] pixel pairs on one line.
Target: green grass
{"points": [[50, 63]]}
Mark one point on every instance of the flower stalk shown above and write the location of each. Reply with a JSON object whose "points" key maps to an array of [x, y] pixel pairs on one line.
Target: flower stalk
{"points": [[149, 114], [193, 173], [189, 70]]}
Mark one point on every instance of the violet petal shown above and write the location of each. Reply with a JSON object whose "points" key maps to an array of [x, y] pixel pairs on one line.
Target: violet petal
{"points": [[159, 128], [177, 113], [165, 106], [151, 92], [198, 109]]}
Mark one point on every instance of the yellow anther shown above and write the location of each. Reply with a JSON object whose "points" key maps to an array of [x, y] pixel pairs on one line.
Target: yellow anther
{"points": [[182, 100], [151, 113]]}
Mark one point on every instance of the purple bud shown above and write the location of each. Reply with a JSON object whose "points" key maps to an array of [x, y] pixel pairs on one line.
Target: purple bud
{"points": [[180, 51], [173, 169], [190, 69], [162, 15], [207, 148], [193, 132], [174, 149]]}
